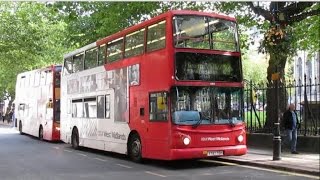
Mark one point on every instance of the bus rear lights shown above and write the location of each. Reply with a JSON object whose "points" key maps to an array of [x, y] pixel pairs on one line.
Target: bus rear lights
{"points": [[186, 141], [240, 138]]}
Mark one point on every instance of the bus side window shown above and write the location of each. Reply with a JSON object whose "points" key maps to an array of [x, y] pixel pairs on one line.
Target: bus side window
{"points": [[100, 108], [158, 106], [68, 66], [108, 109], [43, 77], [114, 50], [134, 44], [156, 38], [90, 108], [22, 81], [77, 108], [102, 54], [37, 78], [78, 62], [90, 60]]}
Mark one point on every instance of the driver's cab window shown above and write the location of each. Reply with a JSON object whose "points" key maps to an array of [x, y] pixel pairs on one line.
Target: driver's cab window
{"points": [[158, 106]]}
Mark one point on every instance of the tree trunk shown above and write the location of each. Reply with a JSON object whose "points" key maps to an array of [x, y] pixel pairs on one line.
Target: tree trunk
{"points": [[277, 63]]}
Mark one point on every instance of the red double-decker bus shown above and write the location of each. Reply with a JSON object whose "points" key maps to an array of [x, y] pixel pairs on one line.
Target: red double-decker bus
{"points": [[37, 103], [167, 88]]}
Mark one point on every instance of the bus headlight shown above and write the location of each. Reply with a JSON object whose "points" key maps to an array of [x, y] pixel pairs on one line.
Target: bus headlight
{"points": [[186, 141], [58, 128], [240, 138]]}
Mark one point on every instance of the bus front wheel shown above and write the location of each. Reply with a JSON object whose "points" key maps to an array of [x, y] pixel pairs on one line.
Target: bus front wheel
{"points": [[75, 139], [135, 148]]}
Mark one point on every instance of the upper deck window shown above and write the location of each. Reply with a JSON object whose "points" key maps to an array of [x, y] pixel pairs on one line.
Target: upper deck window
{"points": [[68, 67], [102, 54], [156, 38], [114, 50], [78, 62], [201, 32], [134, 43], [90, 58]]}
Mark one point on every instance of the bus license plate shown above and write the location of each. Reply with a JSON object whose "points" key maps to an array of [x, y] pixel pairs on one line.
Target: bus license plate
{"points": [[215, 153]]}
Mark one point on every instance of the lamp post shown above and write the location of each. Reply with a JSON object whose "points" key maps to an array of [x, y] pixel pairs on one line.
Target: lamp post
{"points": [[276, 135]]}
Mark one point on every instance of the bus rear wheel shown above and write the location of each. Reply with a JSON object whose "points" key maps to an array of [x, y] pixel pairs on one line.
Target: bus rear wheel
{"points": [[20, 127], [75, 139], [41, 133], [135, 148]]}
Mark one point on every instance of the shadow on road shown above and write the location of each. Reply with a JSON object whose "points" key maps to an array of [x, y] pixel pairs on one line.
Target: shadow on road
{"points": [[168, 165]]}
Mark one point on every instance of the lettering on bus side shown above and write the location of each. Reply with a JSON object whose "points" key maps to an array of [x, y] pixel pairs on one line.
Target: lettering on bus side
{"points": [[112, 134]]}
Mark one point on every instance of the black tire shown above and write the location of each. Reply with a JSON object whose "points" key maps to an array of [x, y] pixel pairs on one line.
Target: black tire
{"points": [[135, 148], [75, 139], [20, 127], [41, 133]]}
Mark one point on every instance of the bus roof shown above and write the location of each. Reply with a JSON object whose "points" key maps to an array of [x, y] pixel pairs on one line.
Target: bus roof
{"points": [[144, 24], [41, 69]]}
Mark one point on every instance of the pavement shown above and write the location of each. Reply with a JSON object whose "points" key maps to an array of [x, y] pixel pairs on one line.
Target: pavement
{"points": [[305, 163]]}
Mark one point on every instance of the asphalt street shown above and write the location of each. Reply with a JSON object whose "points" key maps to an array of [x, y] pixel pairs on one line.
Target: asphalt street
{"points": [[24, 157]]}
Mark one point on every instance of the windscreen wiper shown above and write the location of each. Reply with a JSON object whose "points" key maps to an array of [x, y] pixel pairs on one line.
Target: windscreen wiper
{"points": [[195, 125], [231, 122]]}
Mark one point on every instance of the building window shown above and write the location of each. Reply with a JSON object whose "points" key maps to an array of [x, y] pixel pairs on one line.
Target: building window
{"points": [[158, 106], [309, 69]]}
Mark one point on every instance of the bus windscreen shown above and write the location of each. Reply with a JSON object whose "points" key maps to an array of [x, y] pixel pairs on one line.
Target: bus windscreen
{"points": [[201, 32], [206, 105]]}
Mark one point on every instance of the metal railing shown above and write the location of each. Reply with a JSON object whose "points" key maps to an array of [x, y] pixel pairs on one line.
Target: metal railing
{"points": [[304, 93]]}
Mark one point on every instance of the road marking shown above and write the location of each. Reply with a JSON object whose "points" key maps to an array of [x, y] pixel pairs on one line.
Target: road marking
{"points": [[67, 150], [124, 166], [55, 147], [155, 174], [206, 174], [100, 159], [262, 169], [82, 154]]}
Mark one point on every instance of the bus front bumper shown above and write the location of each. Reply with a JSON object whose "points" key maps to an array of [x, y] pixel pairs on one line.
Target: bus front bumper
{"points": [[207, 152]]}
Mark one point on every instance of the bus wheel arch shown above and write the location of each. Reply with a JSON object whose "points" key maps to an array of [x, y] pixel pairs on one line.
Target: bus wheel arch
{"points": [[134, 147], [40, 132], [75, 138], [20, 127]]}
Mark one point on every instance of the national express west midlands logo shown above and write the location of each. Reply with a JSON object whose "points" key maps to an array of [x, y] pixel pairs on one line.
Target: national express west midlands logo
{"points": [[215, 139]]}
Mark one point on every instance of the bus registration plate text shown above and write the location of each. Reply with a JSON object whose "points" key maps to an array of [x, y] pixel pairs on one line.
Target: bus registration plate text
{"points": [[215, 153]]}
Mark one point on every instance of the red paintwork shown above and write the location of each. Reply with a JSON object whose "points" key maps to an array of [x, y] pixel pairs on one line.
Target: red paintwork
{"points": [[51, 133], [162, 140]]}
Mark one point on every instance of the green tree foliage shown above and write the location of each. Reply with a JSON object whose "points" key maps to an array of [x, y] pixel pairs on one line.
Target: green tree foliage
{"points": [[90, 21], [31, 37]]}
